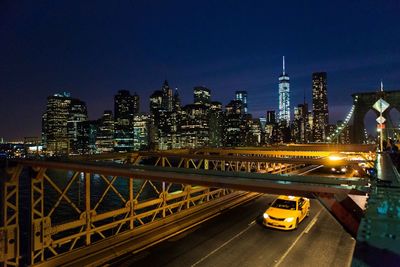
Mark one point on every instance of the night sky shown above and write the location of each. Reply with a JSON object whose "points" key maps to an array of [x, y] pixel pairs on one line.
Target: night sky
{"points": [[92, 49]]}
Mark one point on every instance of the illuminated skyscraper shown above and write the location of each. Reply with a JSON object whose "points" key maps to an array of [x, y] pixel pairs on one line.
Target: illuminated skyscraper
{"points": [[59, 123], [284, 97], [194, 127], [141, 131], [320, 106], [234, 122], [202, 95], [165, 118], [301, 128], [167, 97], [125, 107], [271, 117], [77, 115], [105, 133], [216, 124], [242, 96]]}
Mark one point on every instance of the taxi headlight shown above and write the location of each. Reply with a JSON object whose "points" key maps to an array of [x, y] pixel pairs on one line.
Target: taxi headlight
{"points": [[265, 215], [290, 219]]}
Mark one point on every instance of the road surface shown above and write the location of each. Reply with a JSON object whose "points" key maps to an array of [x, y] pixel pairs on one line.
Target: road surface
{"points": [[237, 238]]}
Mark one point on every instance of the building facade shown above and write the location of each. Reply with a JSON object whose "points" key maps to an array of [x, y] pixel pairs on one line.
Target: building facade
{"points": [[284, 97], [301, 128], [141, 124], [125, 107], [201, 95], [234, 123], [105, 133], [75, 132], [242, 96], [320, 106], [216, 124], [165, 120], [60, 123]]}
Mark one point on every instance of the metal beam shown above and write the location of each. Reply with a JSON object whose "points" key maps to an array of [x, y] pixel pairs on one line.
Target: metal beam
{"points": [[255, 182]]}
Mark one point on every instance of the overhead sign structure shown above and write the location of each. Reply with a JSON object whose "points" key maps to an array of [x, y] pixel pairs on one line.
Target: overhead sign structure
{"points": [[381, 105], [380, 119]]}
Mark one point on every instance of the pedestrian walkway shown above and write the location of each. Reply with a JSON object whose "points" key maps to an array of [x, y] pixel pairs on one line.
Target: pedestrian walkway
{"points": [[378, 235]]}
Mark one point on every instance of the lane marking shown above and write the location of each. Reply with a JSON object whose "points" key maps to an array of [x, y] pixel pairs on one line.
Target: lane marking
{"points": [[310, 225], [310, 170], [224, 244], [295, 241]]}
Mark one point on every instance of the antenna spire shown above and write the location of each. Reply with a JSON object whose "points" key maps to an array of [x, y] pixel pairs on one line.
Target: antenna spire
{"points": [[283, 65], [381, 86]]}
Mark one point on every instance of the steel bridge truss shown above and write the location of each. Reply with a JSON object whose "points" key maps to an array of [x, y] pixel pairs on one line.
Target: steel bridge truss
{"points": [[69, 213], [215, 163], [79, 208], [9, 228]]}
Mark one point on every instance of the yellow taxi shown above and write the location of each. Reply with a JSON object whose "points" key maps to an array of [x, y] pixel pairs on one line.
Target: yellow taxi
{"points": [[286, 212]]}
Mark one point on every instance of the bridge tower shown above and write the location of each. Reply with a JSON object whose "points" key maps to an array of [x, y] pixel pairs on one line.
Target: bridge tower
{"points": [[363, 102]]}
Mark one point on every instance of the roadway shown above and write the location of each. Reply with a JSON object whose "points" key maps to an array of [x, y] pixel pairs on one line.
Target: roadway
{"points": [[237, 238]]}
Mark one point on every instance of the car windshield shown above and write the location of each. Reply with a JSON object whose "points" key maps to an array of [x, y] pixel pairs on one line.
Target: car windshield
{"points": [[284, 204]]}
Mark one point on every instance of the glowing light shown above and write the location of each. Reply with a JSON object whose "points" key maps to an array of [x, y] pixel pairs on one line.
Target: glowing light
{"points": [[290, 219], [335, 157]]}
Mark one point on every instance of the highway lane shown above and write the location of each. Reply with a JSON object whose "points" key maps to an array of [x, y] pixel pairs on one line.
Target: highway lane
{"points": [[237, 238]]}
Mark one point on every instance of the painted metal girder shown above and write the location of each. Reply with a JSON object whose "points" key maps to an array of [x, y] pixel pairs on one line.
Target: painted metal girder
{"points": [[255, 182]]}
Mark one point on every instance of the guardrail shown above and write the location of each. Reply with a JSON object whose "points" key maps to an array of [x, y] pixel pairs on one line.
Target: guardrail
{"points": [[70, 209]]}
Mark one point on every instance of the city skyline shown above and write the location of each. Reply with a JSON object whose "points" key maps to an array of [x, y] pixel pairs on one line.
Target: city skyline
{"points": [[56, 47]]}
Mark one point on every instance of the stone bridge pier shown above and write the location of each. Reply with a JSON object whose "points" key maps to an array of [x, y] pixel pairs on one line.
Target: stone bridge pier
{"points": [[363, 103]]}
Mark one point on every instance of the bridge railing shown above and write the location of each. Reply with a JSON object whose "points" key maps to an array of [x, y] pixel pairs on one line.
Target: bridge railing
{"points": [[9, 219], [70, 209]]}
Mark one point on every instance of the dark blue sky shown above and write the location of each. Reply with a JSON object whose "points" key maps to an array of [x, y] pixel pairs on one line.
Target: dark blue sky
{"points": [[94, 48]]}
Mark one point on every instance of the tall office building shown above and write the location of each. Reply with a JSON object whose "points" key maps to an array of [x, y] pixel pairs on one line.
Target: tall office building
{"points": [[77, 114], [320, 106], [60, 110], [301, 129], [167, 97], [250, 131], [194, 127], [284, 97], [165, 109], [270, 124], [177, 101], [202, 95], [87, 134], [234, 123], [105, 133], [216, 124], [242, 96], [125, 107], [141, 131], [271, 117], [136, 103]]}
